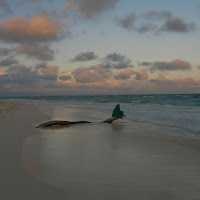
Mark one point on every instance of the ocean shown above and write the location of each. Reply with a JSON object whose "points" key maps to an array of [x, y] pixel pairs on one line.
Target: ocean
{"points": [[176, 114]]}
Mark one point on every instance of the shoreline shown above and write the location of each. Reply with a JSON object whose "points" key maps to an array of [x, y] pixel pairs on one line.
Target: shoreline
{"points": [[150, 156]]}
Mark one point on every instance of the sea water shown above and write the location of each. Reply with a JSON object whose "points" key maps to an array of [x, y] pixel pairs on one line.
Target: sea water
{"points": [[178, 114]]}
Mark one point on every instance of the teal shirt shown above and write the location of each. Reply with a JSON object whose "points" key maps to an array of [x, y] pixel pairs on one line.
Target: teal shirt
{"points": [[117, 112]]}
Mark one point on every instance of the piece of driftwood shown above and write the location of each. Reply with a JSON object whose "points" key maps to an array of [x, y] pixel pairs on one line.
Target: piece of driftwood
{"points": [[65, 123], [110, 120]]}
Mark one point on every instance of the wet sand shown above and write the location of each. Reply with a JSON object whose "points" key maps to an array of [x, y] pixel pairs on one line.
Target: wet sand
{"points": [[16, 123], [7, 108], [122, 160]]}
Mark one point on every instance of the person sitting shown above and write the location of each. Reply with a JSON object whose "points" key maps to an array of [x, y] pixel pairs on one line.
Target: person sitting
{"points": [[116, 114]]}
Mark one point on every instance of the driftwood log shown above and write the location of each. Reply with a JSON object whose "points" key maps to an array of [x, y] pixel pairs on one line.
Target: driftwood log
{"points": [[65, 123]]}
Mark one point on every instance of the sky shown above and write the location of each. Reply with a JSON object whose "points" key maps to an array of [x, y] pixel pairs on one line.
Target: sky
{"points": [[90, 47]]}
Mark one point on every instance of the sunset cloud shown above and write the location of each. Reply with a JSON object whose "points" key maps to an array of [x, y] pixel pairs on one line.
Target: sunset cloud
{"points": [[116, 61], [49, 72], [175, 84], [2, 72], [18, 68], [19, 75], [141, 75], [83, 57], [65, 78], [106, 84], [158, 54], [91, 74], [162, 78], [126, 74], [171, 66], [8, 61], [40, 28], [40, 65], [43, 53], [43, 77], [67, 7]]}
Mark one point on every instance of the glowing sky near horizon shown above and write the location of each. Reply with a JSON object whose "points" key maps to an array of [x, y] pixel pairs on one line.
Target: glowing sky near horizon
{"points": [[77, 47]]}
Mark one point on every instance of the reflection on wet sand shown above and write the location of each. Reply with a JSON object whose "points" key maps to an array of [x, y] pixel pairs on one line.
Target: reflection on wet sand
{"points": [[32, 167]]}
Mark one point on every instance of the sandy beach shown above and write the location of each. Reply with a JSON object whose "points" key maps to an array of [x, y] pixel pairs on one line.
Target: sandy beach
{"points": [[16, 122], [122, 160]]}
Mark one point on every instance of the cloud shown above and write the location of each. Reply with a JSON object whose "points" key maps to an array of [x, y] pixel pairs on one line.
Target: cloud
{"points": [[8, 61], [156, 22], [67, 7], [4, 8], [17, 68], [49, 73], [65, 78], [30, 1], [119, 65], [128, 21], [116, 61], [157, 15], [44, 79], [91, 74], [43, 53], [145, 63], [19, 75], [178, 25], [83, 57], [106, 85], [2, 72], [5, 51], [141, 75], [90, 8], [40, 66], [115, 57], [162, 78], [147, 27], [171, 66], [175, 85], [126, 74], [36, 1], [40, 28]]}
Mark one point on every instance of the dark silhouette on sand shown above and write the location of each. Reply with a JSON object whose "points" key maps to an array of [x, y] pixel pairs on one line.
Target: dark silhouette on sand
{"points": [[117, 113]]}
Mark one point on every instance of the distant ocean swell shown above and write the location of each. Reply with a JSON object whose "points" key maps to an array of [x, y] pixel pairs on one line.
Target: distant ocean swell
{"points": [[174, 100]]}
